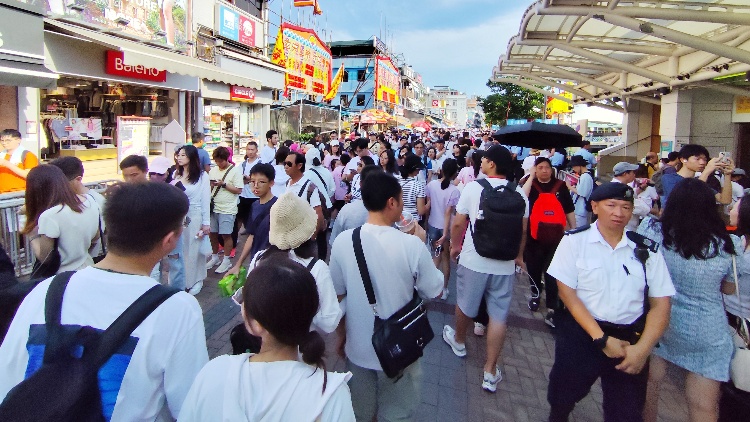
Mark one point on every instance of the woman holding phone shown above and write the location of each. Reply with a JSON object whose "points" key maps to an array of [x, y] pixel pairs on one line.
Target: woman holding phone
{"points": [[190, 178]]}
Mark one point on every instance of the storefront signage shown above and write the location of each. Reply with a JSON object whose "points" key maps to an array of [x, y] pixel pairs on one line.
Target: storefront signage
{"points": [[387, 80], [240, 93], [115, 65], [306, 58], [237, 26], [21, 34], [742, 105], [164, 22]]}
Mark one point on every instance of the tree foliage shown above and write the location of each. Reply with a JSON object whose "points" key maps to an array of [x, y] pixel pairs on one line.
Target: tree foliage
{"points": [[524, 104]]}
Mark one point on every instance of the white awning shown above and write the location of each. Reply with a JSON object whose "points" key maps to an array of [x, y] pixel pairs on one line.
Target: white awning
{"points": [[136, 54], [26, 74]]}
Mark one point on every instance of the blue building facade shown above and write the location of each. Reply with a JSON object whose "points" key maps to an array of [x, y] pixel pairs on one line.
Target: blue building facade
{"points": [[358, 87]]}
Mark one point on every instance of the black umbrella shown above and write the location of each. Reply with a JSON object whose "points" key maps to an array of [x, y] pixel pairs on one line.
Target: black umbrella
{"points": [[539, 135]]}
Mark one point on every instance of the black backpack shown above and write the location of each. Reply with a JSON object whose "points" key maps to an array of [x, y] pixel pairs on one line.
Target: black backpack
{"points": [[498, 229], [65, 388]]}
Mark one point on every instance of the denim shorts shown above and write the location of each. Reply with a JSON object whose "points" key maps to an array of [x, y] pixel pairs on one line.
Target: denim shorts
{"points": [[433, 235]]}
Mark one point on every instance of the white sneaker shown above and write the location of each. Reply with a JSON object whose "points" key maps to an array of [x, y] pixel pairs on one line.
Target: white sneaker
{"points": [[489, 381], [212, 262], [196, 288], [479, 329], [449, 336], [444, 296], [225, 265]]}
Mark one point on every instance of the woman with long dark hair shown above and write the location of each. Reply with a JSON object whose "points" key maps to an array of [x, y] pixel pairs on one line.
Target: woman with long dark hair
{"points": [[473, 169], [388, 162], [443, 196], [402, 153], [57, 217], [279, 306], [698, 252], [191, 179]]}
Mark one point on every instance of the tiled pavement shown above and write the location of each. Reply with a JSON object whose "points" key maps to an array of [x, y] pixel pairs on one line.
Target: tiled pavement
{"points": [[451, 386]]}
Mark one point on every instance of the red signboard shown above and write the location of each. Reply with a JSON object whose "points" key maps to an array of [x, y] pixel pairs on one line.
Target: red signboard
{"points": [[247, 31], [240, 93], [115, 65]]}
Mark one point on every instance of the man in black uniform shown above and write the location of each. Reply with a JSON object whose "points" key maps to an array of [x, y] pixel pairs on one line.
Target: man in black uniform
{"points": [[616, 293]]}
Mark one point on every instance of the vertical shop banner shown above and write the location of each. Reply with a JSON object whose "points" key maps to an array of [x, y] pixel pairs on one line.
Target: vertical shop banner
{"points": [[387, 80], [160, 21], [306, 57], [236, 25], [133, 135]]}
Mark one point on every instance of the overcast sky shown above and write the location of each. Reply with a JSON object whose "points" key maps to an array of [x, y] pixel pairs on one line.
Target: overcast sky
{"points": [[449, 42]]}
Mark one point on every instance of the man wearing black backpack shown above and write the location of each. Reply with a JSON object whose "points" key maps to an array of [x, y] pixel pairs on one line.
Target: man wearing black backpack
{"points": [[143, 373], [497, 212], [551, 214]]}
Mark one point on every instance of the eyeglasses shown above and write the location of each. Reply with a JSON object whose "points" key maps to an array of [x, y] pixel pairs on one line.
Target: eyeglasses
{"points": [[288, 164], [186, 222], [5, 140], [258, 182]]}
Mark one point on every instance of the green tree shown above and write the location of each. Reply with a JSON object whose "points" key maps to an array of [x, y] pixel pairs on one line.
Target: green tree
{"points": [[509, 101]]}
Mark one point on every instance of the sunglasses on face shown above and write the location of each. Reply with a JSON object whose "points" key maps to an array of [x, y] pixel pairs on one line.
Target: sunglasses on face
{"points": [[288, 164]]}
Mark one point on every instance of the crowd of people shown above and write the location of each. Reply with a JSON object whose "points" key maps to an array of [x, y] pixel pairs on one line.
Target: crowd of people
{"points": [[337, 235]]}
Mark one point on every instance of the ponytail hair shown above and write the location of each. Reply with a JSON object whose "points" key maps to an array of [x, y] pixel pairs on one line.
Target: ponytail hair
{"points": [[283, 298], [476, 160], [450, 169]]}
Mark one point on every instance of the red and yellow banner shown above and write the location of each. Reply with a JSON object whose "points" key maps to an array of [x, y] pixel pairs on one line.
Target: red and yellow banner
{"points": [[306, 58], [335, 85], [387, 80]]}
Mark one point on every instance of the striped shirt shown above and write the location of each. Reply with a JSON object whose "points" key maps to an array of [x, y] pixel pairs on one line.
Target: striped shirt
{"points": [[412, 188]]}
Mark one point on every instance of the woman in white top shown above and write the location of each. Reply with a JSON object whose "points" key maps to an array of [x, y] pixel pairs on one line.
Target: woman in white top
{"points": [[443, 196], [190, 178], [279, 181], [273, 385], [56, 215]]}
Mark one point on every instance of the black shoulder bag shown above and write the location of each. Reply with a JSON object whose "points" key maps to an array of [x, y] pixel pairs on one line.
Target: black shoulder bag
{"points": [[400, 339]]}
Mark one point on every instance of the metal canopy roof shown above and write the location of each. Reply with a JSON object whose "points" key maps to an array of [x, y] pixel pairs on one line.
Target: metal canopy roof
{"points": [[601, 49]]}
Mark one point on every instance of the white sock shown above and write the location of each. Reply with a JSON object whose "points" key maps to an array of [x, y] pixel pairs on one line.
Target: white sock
{"points": [[226, 259], [215, 256]]}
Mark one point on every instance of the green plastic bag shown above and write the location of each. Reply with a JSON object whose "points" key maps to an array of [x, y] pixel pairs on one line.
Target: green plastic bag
{"points": [[231, 283]]}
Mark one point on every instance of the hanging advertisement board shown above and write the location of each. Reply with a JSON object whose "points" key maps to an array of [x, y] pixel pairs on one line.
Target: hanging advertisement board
{"points": [[387, 80], [306, 58]]}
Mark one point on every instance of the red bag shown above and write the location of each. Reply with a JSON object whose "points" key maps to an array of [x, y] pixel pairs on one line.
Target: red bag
{"points": [[547, 219]]}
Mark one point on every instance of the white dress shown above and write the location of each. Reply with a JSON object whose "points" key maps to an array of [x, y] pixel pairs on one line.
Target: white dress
{"points": [[199, 196]]}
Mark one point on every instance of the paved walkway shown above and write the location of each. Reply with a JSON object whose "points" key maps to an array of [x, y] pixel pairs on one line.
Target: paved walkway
{"points": [[451, 386]]}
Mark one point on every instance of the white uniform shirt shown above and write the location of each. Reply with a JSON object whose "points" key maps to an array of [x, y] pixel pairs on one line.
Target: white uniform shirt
{"points": [[608, 281], [296, 187]]}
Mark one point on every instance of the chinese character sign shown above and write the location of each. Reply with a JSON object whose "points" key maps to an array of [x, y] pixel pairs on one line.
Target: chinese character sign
{"points": [[387, 80], [306, 58]]}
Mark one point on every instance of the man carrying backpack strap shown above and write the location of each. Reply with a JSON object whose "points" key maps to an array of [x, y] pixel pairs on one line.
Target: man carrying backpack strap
{"points": [[497, 212], [552, 212], [149, 376]]}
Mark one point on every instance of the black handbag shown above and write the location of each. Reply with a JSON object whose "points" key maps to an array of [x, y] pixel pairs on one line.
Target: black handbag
{"points": [[400, 339]]}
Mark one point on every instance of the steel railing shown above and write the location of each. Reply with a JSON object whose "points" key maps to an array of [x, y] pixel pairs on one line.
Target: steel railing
{"points": [[17, 246]]}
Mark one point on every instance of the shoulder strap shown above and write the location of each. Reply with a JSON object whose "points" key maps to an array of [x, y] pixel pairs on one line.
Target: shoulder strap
{"points": [[363, 271], [556, 187], [312, 264], [264, 214], [53, 314], [325, 185], [116, 334], [484, 183], [101, 232], [304, 185]]}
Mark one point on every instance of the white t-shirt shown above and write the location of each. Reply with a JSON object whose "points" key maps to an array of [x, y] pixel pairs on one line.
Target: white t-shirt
{"points": [[231, 388], [245, 168], [76, 232], [323, 180], [296, 187], [279, 181], [96, 248], [351, 167], [329, 313], [468, 204], [395, 260], [268, 154], [528, 163], [149, 377]]}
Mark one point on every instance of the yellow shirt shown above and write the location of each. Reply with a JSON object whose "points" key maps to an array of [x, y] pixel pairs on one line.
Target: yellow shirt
{"points": [[11, 182]]}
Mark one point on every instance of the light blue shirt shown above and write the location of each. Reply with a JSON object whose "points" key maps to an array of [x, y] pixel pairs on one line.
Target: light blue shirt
{"points": [[557, 159], [521, 152], [589, 157]]}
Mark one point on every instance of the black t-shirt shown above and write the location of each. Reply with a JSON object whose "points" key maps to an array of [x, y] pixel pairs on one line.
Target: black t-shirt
{"points": [[563, 194], [260, 229]]}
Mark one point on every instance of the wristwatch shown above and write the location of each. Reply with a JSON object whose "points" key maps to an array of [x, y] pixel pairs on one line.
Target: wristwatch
{"points": [[601, 343]]}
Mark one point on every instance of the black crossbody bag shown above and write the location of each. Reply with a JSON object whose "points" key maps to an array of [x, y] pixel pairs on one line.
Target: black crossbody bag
{"points": [[400, 339], [218, 188]]}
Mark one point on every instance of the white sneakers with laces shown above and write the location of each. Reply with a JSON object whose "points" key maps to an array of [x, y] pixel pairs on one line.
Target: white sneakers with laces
{"points": [[489, 381], [212, 262], [225, 265], [449, 336]]}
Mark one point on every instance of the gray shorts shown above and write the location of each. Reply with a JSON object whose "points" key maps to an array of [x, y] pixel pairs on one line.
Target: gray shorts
{"points": [[471, 286], [222, 223]]}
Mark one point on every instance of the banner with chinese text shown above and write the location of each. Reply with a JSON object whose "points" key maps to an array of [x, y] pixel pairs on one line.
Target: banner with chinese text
{"points": [[306, 57], [387, 80]]}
